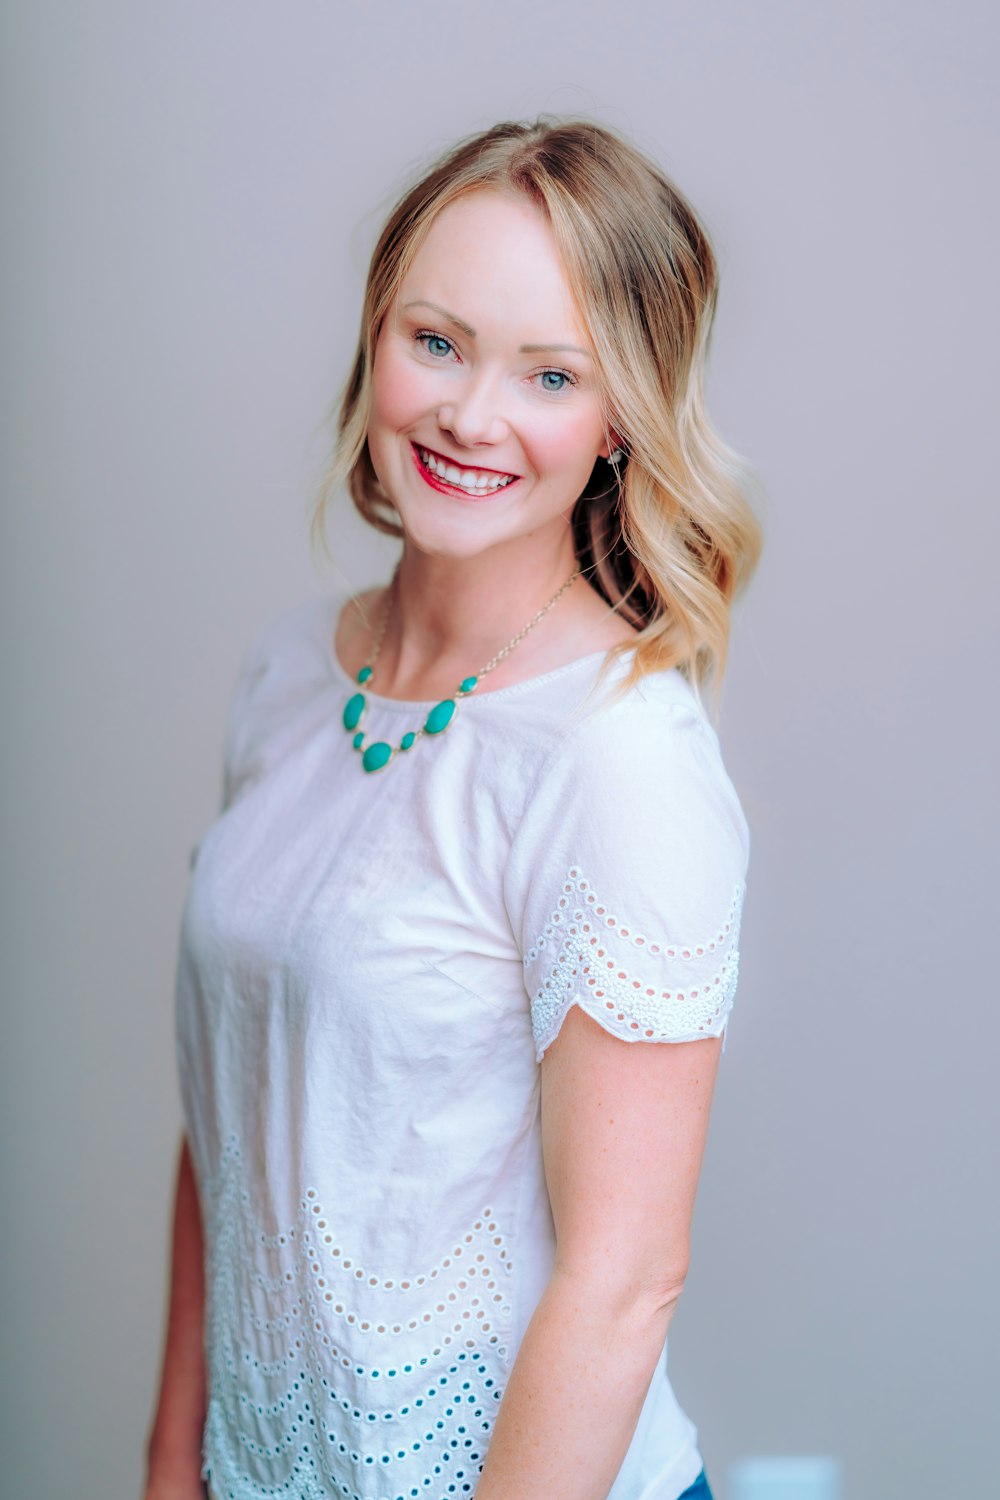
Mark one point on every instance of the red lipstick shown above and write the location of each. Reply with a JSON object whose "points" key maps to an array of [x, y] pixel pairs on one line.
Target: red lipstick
{"points": [[437, 483]]}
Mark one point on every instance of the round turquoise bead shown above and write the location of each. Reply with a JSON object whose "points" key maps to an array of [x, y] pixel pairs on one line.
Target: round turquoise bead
{"points": [[377, 756], [358, 739], [353, 709], [406, 743], [364, 674], [467, 684], [440, 717]]}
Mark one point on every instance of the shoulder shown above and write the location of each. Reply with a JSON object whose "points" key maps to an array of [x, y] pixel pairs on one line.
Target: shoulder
{"points": [[291, 652], [285, 665], [633, 787], [301, 629], [625, 740]]}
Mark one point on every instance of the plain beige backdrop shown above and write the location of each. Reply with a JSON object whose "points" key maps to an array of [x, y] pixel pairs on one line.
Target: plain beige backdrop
{"points": [[191, 191]]}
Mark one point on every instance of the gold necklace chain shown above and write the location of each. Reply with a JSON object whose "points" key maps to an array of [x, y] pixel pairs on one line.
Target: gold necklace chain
{"points": [[379, 754]]}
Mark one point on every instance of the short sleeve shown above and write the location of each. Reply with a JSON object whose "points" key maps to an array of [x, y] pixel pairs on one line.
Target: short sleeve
{"points": [[626, 876]]}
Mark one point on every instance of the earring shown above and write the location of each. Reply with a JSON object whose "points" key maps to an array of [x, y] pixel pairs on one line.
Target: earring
{"points": [[615, 457]]}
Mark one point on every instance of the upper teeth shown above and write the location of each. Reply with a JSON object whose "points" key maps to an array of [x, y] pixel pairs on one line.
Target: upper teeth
{"points": [[474, 480]]}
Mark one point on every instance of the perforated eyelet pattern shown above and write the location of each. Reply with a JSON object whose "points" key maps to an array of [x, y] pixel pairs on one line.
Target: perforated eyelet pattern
{"points": [[638, 987], [330, 1378]]}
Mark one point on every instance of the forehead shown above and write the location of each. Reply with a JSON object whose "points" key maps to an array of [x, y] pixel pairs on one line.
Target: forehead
{"points": [[490, 257]]}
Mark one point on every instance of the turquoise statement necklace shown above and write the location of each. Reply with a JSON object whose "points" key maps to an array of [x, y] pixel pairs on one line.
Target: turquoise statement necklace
{"points": [[377, 755]]}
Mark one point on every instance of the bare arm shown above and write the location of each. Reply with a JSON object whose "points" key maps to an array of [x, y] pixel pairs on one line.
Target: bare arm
{"points": [[174, 1446], [624, 1128]]}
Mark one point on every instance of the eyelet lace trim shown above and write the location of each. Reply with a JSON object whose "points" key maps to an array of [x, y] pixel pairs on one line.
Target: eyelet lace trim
{"points": [[680, 991], [293, 1408]]}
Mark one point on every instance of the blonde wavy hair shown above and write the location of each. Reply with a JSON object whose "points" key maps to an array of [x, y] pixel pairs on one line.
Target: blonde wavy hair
{"points": [[669, 539]]}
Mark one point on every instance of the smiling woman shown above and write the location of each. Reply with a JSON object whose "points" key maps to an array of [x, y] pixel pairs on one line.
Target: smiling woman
{"points": [[472, 395], [613, 272], [446, 1104]]}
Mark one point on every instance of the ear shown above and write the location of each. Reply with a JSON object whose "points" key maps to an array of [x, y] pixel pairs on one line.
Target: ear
{"points": [[610, 442]]}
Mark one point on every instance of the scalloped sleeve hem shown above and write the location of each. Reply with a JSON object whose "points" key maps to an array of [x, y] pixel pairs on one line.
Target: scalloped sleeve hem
{"points": [[638, 988]]}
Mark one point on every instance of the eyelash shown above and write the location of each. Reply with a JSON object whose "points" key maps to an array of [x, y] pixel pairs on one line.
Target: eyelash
{"points": [[567, 375]]}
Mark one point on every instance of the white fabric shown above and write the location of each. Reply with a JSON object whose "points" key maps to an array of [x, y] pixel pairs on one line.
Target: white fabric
{"points": [[371, 967]]}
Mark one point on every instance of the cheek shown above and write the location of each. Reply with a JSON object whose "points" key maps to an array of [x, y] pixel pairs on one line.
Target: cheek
{"points": [[565, 447], [398, 393]]}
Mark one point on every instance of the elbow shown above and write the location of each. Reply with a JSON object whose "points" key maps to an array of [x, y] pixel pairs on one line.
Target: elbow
{"points": [[657, 1281], [664, 1290], [647, 1307], [640, 1296], [651, 1295]]}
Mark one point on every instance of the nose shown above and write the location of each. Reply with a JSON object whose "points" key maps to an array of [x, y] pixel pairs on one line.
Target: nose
{"points": [[473, 415]]}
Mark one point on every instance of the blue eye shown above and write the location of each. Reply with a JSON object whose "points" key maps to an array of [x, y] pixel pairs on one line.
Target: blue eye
{"points": [[434, 344], [561, 377]]}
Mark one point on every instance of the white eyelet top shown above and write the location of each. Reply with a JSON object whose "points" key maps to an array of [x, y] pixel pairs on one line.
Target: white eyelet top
{"points": [[371, 969]]}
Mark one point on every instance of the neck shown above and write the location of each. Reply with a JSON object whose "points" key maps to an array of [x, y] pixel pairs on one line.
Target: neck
{"points": [[450, 617]]}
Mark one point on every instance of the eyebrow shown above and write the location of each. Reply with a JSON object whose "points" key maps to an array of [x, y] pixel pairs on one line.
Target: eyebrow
{"points": [[451, 318], [554, 349], [471, 332]]}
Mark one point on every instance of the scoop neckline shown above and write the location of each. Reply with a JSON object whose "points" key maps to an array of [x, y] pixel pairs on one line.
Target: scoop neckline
{"points": [[513, 688]]}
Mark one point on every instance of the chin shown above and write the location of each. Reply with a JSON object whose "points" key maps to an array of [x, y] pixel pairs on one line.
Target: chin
{"points": [[457, 548], [435, 537]]}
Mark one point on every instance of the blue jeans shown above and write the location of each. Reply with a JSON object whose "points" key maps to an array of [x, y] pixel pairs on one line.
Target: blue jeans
{"points": [[697, 1491]]}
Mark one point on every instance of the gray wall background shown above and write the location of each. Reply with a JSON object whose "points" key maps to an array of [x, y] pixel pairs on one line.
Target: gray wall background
{"points": [[192, 190]]}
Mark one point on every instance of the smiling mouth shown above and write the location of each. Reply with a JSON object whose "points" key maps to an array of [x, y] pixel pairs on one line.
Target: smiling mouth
{"points": [[468, 481]]}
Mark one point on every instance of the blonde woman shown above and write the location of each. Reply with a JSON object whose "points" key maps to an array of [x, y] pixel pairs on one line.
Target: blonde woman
{"points": [[459, 953]]}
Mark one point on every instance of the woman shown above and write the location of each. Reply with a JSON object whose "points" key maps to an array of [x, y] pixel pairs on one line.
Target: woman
{"points": [[433, 1206]]}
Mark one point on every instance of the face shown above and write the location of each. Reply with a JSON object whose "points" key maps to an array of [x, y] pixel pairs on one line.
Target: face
{"points": [[486, 417]]}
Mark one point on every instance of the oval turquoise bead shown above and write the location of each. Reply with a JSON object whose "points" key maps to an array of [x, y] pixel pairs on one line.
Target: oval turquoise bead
{"points": [[353, 709], [358, 739], [364, 674], [377, 756], [467, 684], [406, 743], [440, 716]]}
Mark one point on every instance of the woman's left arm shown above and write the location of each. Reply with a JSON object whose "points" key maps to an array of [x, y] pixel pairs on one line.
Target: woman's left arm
{"points": [[623, 1130]]}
